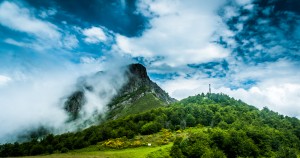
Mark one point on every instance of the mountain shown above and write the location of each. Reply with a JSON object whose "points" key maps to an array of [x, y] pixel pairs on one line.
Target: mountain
{"points": [[137, 94], [205, 125]]}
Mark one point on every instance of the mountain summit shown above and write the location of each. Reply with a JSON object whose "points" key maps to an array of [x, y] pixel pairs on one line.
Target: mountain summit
{"points": [[137, 94]]}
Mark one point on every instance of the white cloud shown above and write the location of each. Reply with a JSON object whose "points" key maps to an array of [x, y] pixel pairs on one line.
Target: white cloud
{"points": [[249, 7], [30, 103], [283, 97], [37, 97], [70, 41], [182, 33], [47, 13], [21, 19], [229, 12], [243, 2], [14, 42], [282, 71], [94, 35], [91, 60], [182, 87], [4, 80], [46, 35]]}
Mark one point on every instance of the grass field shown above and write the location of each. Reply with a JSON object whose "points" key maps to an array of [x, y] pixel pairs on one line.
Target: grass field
{"points": [[139, 152]]}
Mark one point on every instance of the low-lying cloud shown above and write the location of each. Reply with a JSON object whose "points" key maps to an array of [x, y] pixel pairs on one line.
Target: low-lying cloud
{"points": [[37, 99]]}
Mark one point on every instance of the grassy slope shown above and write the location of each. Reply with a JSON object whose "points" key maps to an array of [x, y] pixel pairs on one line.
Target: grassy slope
{"points": [[147, 102], [155, 151], [139, 152]]}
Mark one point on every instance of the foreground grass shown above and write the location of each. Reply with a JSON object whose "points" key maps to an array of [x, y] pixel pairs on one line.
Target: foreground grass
{"points": [[139, 152]]}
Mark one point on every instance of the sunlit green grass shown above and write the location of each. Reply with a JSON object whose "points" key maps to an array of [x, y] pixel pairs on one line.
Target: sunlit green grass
{"points": [[139, 152], [147, 102]]}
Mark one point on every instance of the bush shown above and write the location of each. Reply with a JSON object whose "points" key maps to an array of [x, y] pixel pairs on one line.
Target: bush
{"points": [[115, 143]]}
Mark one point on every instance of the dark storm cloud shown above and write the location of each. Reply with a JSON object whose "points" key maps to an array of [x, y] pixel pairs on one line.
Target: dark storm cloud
{"points": [[119, 16], [284, 5]]}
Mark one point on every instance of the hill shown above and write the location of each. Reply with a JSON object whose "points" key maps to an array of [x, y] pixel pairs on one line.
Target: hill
{"points": [[211, 125]]}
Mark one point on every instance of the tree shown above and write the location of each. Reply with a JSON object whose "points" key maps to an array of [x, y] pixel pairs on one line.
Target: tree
{"points": [[151, 127], [286, 152], [175, 150], [213, 153], [190, 120], [37, 149], [50, 149]]}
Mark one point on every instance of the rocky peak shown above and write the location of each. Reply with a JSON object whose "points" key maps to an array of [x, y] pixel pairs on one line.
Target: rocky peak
{"points": [[138, 86], [138, 70]]}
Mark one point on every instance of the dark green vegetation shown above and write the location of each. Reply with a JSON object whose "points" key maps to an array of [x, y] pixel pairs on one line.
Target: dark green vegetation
{"points": [[223, 127]]}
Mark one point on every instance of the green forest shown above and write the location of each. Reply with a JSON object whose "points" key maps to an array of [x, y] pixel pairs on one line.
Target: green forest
{"points": [[222, 127]]}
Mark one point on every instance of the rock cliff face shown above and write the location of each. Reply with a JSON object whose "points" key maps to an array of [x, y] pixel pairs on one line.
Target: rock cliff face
{"points": [[137, 94], [138, 79], [74, 104], [138, 87]]}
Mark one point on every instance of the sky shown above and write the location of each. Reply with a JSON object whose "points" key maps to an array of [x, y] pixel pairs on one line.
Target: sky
{"points": [[248, 49]]}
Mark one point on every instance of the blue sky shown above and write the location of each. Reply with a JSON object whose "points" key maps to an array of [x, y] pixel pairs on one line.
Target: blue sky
{"points": [[248, 49]]}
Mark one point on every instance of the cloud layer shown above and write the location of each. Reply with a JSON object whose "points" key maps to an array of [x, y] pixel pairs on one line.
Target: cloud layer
{"points": [[94, 35], [20, 19], [180, 33]]}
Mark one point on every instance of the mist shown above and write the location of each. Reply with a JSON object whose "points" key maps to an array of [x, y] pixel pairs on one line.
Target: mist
{"points": [[98, 89], [37, 99]]}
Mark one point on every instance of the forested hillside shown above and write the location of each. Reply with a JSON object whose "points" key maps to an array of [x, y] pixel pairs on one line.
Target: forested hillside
{"points": [[224, 127]]}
